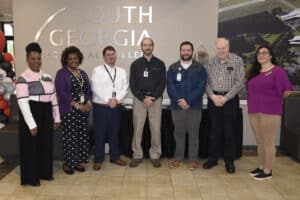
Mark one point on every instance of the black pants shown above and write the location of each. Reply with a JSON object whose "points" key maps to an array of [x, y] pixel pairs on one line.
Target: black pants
{"points": [[36, 152], [222, 138]]}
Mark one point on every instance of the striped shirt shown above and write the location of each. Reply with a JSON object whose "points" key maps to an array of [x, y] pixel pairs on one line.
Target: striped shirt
{"points": [[226, 77], [35, 86]]}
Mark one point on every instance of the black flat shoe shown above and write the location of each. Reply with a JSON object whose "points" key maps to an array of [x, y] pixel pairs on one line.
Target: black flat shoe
{"points": [[209, 164], [48, 179], [35, 184], [79, 168], [68, 170]]}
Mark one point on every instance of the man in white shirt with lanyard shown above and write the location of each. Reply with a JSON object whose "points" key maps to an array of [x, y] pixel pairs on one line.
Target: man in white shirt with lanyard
{"points": [[109, 86]]}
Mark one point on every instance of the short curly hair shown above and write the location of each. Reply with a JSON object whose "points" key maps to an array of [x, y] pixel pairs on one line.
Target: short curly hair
{"points": [[31, 47], [70, 50]]}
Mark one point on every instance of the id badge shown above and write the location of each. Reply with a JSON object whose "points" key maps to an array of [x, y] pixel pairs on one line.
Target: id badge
{"points": [[146, 74], [114, 94], [178, 77], [82, 99]]}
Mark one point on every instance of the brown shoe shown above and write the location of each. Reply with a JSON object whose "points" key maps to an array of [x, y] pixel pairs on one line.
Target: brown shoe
{"points": [[119, 162], [194, 165], [156, 163], [135, 162], [176, 163], [97, 166], [68, 170]]}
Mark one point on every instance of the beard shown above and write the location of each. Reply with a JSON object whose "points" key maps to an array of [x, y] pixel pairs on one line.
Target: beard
{"points": [[186, 57], [147, 52]]}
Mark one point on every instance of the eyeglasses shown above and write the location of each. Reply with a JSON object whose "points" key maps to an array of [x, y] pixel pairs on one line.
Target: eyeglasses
{"points": [[265, 53]]}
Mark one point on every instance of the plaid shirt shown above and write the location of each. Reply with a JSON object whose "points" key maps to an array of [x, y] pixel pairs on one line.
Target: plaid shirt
{"points": [[225, 77]]}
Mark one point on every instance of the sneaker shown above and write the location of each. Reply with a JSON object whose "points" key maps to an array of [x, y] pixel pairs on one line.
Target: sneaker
{"points": [[135, 162], [256, 172], [194, 165], [156, 163], [176, 163], [263, 176]]}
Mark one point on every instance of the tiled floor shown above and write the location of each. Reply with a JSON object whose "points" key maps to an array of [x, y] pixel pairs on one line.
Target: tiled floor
{"points": [[146, 182]]}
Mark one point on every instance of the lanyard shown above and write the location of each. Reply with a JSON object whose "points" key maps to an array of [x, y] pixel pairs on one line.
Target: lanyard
{"points": [[110, 76], [80, 80]]}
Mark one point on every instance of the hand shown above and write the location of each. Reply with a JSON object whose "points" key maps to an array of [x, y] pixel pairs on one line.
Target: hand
{"points": [[217, 100], [183, 104], [56, 125], [223, 100], [148, 101], [34, 131], [113, 102], [73, 103], [85, 107]]}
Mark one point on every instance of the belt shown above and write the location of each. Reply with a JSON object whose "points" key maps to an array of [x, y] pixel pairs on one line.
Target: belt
{"points": [[105, 105], [219, 93]]}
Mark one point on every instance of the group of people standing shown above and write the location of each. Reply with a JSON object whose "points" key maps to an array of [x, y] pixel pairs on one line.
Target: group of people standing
{"points": [[74, 95]]}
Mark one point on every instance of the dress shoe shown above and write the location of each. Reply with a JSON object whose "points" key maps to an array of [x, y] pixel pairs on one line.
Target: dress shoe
{"points": [[68, 170], [156, 163], [119, 162], [79, 168], [194, 165], [230, 167], [176, 163], [97, 166], [209, 164], [135, 162]]}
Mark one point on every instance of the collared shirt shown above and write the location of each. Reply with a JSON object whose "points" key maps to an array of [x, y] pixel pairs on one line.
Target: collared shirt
{"points": [[225, 77], [147, 77], [102, 85], [35, 86]]}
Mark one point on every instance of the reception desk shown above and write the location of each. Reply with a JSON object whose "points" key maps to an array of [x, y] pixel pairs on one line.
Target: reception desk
{"points": [[167, 138]]}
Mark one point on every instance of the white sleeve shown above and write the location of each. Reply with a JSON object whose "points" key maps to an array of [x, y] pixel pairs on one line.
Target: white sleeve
{"points": [[26, 112], [124, 88]]}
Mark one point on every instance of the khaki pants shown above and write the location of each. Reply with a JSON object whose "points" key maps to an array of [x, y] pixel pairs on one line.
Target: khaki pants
{"points": [[264, 127], [139, 117]]}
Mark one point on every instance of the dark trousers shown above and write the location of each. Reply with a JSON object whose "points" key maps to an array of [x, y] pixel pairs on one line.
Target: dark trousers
{"points": [[36, 152], [222, 139], [106, 125]]}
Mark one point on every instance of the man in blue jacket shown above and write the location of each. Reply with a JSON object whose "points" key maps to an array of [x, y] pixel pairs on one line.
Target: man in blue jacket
{"points": [[186, 83]]}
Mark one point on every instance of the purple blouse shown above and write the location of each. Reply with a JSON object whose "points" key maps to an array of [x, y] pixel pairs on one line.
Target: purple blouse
{"points": [[265, 91]]}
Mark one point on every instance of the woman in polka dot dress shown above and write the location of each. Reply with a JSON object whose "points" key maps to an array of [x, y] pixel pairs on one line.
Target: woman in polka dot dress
{"points": [[74, 98]]}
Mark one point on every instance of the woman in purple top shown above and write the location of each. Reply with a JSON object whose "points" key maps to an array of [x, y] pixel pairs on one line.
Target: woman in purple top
{"points": [[267, 85], [74, 99]]}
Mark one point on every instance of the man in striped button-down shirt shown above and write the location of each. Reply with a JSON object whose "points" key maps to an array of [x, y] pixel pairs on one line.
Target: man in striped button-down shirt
{"points": [[225, 79]]}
